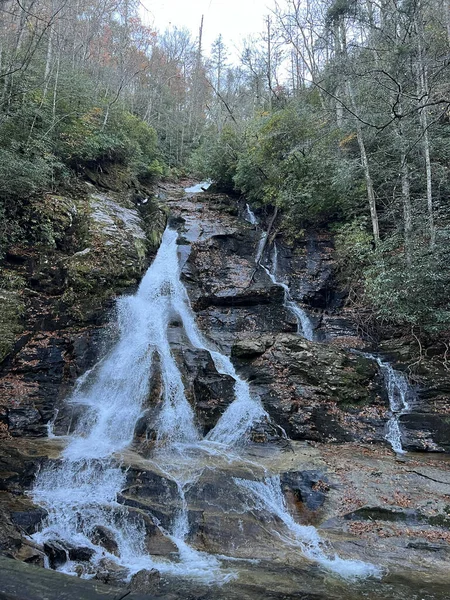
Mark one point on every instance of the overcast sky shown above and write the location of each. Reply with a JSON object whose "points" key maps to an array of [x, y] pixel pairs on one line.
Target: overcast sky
{"points": [[234, 19]]}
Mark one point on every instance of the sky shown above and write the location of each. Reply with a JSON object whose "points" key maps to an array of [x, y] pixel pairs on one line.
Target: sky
{"points": [[234, 19]]}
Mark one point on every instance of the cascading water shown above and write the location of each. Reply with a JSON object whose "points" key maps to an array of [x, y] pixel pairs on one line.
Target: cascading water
{"points": [[267, 496], [396, 383], [198, 187], [304, 324], [399, 394], [80, 491], [250, 215]]}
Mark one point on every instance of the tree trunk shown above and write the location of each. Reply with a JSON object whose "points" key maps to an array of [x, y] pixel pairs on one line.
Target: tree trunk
{"points": [[423, 94], [407, 212], [366, 169]]}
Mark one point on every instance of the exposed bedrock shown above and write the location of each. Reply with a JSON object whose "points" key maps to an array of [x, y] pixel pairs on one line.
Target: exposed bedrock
{"points": [[338, 473]]}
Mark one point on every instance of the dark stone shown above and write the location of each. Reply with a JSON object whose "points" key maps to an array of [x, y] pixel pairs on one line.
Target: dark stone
{"points": [[81, 554], [101, 536], [145, 581], [28, 520], [380, 513], [426, 432], [19, 581], [25, 419], [308, 486], [110, 572], [57, 554]]}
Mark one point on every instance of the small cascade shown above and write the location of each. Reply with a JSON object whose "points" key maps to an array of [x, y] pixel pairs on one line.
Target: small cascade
{"points": [[198, 187], [260, 249], [250, 215], [304, 324], [267, 496], [399, 394]]}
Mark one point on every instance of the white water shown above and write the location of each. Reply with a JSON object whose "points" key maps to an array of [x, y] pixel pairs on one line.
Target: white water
{"points": [[199, 187], [80, 491], [250, 215], [399, 394], [267, 496], [304, 324]]}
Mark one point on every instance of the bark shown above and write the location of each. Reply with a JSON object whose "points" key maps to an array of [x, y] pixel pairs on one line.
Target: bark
{"points": [[407, 211], [423, 94], [365, 164]]}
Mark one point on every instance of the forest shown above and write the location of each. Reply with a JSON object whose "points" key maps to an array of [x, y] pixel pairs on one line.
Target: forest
{"points": [[337, 113], [224, 300]]}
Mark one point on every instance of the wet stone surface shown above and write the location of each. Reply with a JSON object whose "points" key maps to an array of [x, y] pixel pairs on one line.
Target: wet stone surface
{"points": [[337, 474]]}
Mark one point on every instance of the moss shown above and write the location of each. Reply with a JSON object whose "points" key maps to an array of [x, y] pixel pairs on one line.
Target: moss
{"points": [[118, 242], [11, 310]]}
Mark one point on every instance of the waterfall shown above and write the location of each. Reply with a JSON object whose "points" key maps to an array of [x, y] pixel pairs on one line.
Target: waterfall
{"points": [[199, 187], [304, 324], [80, 491], [250, 215], [399, 394], [267, 496]]}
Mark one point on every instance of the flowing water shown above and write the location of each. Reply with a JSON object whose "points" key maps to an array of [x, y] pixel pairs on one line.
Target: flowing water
{"points": [[198, 187], [398, 389], [80, 492], [304, 324], [399, 394], [250, 215]]}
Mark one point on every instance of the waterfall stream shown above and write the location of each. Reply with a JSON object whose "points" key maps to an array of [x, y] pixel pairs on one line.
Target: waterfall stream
{"points": [[80, 492], [304, 324], [397, 387], [399, 394]]}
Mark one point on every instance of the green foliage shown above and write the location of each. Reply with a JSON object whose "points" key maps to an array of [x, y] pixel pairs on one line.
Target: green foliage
{"points": [[416, 294], [43, 142], [290, 158], [217, 158], [354, 249]]}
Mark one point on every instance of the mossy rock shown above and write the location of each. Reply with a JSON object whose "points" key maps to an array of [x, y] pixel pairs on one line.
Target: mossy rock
{"points": [[117, 248], [11, 310]]}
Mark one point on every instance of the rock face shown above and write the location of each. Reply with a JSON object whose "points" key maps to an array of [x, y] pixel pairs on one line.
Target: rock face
{"points": [[63, 301], [52, 319], [315, 391], [336, 472]]}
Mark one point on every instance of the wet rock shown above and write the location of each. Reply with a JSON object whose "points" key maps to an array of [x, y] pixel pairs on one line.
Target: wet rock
{"points": [[425, 426], [28, 520], [102, 536], [382, 513], [30, 554], [309, 487], [56, 552], [81, 554], [156, 543], [145, 581], [110, 572], [25, 419], [315, 391], [249, 348]]}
